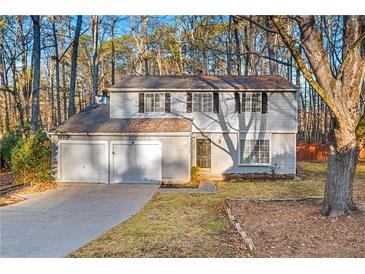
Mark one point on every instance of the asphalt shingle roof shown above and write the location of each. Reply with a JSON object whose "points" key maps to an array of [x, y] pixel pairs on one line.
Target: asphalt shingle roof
{"points": [[204, 82], [96, 119]]}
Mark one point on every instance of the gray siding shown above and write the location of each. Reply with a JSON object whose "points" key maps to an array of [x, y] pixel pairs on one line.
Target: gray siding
{"points": [[281, 116], [224, 151], [175, 153]]}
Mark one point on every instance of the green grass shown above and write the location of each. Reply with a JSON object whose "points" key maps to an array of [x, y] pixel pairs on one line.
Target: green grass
{"points": [[194, 225]]}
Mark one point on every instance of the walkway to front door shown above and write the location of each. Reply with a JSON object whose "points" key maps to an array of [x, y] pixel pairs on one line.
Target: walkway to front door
{"points": [[203, 159]]}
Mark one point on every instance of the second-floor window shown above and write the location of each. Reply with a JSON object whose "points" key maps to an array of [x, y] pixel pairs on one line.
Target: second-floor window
{"points": [[202, 102], [251, 102], [154, 102]]}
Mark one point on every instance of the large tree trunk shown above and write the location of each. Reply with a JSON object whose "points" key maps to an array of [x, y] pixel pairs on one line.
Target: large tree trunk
{"points": [[75, 47], [36, 71], [338, 192]]}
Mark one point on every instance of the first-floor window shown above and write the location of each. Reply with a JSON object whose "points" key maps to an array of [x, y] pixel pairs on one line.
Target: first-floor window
{"points": [[254, 151], [154, 102], [203, 102]]}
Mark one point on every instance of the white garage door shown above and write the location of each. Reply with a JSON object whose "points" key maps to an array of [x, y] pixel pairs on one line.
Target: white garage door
{"points": [[136, 162], [83, 161]]}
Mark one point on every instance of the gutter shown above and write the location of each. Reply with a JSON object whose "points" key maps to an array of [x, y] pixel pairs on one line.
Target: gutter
{"points": [[119, 134], [197, 90]]}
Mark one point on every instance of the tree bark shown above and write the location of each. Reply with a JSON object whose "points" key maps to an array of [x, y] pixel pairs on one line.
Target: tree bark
{"points": [[57, 69], [113, 49], [339, 185], [36, 71], [95, 66], [75, 47], [271, 38], [238, 46]]}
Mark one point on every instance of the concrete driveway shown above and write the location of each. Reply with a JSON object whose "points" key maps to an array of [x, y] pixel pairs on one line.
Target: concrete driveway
{"points": [[54, 223]]}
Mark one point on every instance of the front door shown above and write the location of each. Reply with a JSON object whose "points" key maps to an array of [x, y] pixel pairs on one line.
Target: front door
{"points": [[203, 153]]}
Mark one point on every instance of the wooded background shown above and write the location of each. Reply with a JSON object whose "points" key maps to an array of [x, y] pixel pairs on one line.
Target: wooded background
{"points": [[80, 56]]}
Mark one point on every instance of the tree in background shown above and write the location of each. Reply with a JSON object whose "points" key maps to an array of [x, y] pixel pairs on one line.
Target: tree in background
{"points": [[36, 71], [75, 48]]}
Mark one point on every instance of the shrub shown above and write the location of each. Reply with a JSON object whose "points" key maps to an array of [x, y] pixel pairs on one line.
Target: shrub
{"points": [[195, 175], [31, 159], [8, 143]]}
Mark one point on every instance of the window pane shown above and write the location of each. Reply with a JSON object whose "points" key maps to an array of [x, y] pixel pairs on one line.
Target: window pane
{"points": [[202, 102], [207, 102], [251, 102], [256, 102], [159, 102], [254, 151], [149, 102], [246, 102], [197, 102], [154, 102]]}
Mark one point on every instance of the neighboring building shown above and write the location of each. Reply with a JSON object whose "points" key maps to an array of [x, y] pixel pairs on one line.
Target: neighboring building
{"points": [[157, 127]]}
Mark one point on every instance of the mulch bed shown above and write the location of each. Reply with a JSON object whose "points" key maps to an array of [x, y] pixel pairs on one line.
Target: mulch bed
{"points": [[256, 176], [187, 185], [297, 229]]}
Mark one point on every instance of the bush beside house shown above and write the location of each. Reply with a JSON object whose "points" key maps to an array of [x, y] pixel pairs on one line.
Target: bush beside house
{"points": [[31, 159], [28, 156]]}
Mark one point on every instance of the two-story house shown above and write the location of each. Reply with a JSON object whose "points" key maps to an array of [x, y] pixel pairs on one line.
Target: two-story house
{"points": [[156, 128]]}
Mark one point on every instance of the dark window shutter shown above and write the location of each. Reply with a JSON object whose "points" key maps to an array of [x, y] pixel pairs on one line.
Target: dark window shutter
{"points": [[167, 102], [216, 102], [189, 102], [238, 102], [264, 102], [243, 101], [141, 102]]}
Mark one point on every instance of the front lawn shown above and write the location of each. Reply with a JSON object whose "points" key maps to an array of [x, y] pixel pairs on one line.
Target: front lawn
{"points": [[195, 225]]}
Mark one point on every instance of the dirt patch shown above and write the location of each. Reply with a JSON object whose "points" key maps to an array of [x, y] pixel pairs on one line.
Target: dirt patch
{"points": [[6, 179], [297, 229]]}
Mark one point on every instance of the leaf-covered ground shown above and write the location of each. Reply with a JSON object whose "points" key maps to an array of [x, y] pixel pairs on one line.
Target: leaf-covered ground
{"points": [[297, 229], [194, 225]]}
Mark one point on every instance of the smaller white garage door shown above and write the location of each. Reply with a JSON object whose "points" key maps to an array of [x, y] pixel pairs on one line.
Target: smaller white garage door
{"points": [[83, 161], [136, 162]]}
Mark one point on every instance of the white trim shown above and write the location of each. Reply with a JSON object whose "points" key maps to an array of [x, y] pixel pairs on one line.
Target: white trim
{"points": [[121, 89], [266, 136], [59, 152], [295, 155], [111, 164]]}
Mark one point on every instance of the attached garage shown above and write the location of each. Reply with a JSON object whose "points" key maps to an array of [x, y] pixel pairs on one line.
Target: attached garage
{"points": [[83, 161], [136, 162], [91, 147]]}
